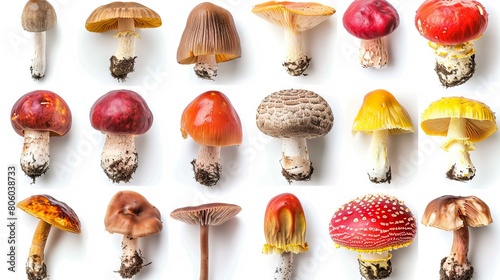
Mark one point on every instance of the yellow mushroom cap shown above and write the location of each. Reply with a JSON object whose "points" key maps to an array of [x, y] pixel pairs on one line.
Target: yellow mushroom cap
{"points": [[297, 16], [381, 111], [480, 122]]}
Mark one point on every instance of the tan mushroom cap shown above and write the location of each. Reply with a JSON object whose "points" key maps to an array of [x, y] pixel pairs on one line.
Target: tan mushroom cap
{"points": [[106, 17], [131, 214], [209, 30], [52, 211], [38, 16], [211, 214], [480, 119], [297, 16], [381, 111]]}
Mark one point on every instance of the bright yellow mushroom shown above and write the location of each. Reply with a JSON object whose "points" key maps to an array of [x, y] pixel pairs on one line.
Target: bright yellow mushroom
{"points": [[381, 115]]}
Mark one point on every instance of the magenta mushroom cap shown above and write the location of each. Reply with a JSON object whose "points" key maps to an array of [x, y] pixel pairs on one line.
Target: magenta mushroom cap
{"points": [[370, 19], [121, 112]]}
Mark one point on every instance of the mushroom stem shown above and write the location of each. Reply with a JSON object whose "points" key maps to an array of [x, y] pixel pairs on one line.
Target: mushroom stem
{"points": [[35, 267], [379, 169], [132, 260], [455, 64], [206, 67], [296, 61], [119, 157], [204, 252], [285, 267], [456, 265], [35, 156], [375, 265], [458, 147], [295, 161], [123, 61], [38, 63], [206, 166], [374, 53]]}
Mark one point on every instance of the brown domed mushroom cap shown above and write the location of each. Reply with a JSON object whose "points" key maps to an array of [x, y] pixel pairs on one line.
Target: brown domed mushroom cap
{"points": [[131, 214], [52, 211], [211, 214], [38, 16]]}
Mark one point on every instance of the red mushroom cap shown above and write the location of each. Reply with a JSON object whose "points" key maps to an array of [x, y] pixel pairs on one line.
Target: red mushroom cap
{"points": [[451, 22], [211, 120], [121, 112], [41, 110], [370, 19], [373, 223]]}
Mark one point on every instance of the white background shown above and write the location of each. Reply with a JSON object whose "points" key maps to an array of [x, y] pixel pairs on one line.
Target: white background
{"points": [[77, 69]]}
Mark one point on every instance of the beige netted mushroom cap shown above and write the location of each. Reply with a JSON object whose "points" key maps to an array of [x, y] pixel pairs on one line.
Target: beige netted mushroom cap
{"points": [[211, 214], [38, 16]]}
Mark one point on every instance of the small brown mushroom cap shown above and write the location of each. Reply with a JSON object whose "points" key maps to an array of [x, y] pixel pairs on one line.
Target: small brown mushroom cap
{"points": [[52, 211], [210, 30], [453, 212], [38, 16], [294, 113], [131, 214], [211, 214]]}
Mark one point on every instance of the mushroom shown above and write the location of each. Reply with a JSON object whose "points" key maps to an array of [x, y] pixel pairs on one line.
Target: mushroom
{"points": [[210, 37], [211, 120], [129, 213], [205, 215], [295, 18], [295, 115], [457, 213], [451, 26], [463, 122], [381, 115], [371, 21], [125, 17], [285, 232], [373, 225], [38, 17], [50, 212], [37, 116], [121, 115]]}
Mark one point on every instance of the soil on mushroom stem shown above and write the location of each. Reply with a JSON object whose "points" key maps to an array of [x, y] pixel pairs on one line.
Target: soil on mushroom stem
{"points": [[132, 266], [454, 276]]}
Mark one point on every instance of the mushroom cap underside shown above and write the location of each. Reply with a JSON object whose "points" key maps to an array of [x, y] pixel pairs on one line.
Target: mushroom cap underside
{"points": [[370, 19], [38, 16], [210, 214]]}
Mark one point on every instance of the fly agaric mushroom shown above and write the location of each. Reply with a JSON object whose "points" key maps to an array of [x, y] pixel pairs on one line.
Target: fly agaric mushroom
{"points": [[129, 213], [121, 115], [211, 120], [37, 116], [463, 122], [210, 37], [381, 115], [457, 213], [295, 18], [50, 212], [373, 225], [205, 215], [294, 116], [125, 17], [285, 232], [371, 21], [451, 26], [38, 17]]}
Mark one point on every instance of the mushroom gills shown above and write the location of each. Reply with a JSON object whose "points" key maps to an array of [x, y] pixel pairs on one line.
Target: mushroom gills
{"points": [[455, 64], [375, 265], [35, 156]]}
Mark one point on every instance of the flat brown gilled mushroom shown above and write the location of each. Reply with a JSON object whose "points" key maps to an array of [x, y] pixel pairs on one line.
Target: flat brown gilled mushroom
{"points": [[205, 215], [125, 17], [293, 116], [37, 116], [129, 213], [457, 213], [38, 17], [381, 115], [51, 213], [210, 37], [295, 18], [463, 122]]}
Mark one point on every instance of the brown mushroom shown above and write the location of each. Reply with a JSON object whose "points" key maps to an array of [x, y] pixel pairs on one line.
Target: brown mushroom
{"points": [[205, 215], [129, 213]]}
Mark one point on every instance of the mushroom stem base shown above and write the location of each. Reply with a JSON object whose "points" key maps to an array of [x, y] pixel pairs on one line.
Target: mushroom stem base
{"points": [[206, 67], [35, 156], [132, 260], [375, 266], [373, 53], [451, 269], [285, 267], [120, 68], [458, 146], [206, 166], [295, 161], [296, 62], [36, 271], [455, 64], [119, 157]]}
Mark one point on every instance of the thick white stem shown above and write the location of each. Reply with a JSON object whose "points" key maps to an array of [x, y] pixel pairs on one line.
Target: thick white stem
{"points": [[35, 155], [379, 168], [455, 64], [460, 165], [285, 267], [296, 61], [38, 63], [126, 39], [375, 265], [295, 161], [119, 157], [206, 166], [374, 53], [206, 67], [132, 260]]}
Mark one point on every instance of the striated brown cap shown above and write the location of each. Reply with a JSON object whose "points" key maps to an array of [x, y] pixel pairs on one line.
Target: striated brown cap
{"points": [[38, 16], [211, 214]]}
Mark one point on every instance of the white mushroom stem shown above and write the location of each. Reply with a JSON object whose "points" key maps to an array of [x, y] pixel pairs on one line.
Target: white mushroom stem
{"points": [[132, 260], [295, 159], [35, 155], [296, 61], [374, 53], [35, 266], [206, 67], [38, 62], [456, 265], [455, 63], [460, 165], [206, 166], [285, 267], [379, 169], [119, 157], [375, 265], [126, 39]]}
